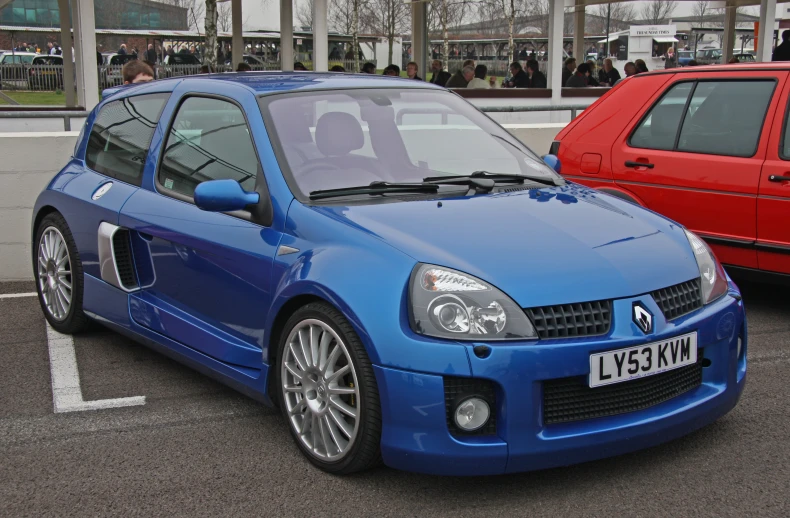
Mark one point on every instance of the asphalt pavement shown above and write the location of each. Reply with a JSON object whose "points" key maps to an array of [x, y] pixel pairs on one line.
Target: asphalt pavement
{"points": [[198, 448]]}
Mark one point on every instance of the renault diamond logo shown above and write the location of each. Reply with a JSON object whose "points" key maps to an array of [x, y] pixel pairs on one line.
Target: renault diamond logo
{"points": [[642, 318]]}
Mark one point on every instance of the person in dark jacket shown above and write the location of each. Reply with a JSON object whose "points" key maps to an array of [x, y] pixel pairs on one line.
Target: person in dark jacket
{"points": [[536, 78], [782, 51], [579, 78], [608, 75], [439, 76], [518, 78], [567, 70], [368, 68], [150, 55], [458, 80], [641, 66]]}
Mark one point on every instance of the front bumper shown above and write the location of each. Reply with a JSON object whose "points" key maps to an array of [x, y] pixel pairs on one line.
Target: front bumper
{"points": [[416, 436]]}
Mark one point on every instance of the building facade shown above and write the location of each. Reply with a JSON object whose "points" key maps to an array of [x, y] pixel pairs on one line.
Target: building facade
{"points": [[110, 14]]}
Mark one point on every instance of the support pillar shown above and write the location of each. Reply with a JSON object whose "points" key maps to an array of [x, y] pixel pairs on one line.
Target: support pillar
{"points": [[83, 19], [286, 35], [68, 59], [320, 36], [728, 41], [578, 32], [237, 36], [419, 36], [554, 70], [765, 38]]}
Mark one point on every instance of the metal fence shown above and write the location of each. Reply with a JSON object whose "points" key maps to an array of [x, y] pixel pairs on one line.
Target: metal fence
{"points": [[18, 77]]}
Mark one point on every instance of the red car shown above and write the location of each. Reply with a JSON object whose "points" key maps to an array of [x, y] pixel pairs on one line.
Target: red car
{"points": [[706, 146]]}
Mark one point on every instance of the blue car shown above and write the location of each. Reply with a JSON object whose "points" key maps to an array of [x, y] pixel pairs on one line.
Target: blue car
{"points": [[397, 273]]}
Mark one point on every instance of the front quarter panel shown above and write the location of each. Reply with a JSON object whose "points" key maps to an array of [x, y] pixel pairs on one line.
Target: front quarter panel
{"points": [[365, 279]]}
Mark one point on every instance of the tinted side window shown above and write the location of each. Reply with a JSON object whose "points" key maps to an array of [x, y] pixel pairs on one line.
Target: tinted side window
{"points": [[709, 125], [119, 140], [659, 129], [209, 140]]}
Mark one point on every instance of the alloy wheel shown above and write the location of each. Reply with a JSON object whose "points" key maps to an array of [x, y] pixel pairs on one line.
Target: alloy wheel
{"points": [[54, 273], [320, 390]]}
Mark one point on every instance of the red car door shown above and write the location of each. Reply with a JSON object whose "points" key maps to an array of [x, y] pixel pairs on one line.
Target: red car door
{"points": [[695, 155], [773, 200]]}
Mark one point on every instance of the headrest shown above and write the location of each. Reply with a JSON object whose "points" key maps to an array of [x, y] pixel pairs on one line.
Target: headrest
{"points": [[338, 134]]}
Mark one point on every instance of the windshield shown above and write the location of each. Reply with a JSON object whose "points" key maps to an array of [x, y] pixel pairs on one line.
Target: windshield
{"points": [[347, 138]]}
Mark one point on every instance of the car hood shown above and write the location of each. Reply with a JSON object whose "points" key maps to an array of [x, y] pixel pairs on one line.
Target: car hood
{"points": [[541, 246]]}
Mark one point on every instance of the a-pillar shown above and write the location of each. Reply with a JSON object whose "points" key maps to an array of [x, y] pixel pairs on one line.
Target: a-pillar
{"points": [[68, 59], [320, 37], [237, 38], [554, 70], [728, 40], [419, 36], [286, 35], [578, 32], [765, 38], [83, 18]]}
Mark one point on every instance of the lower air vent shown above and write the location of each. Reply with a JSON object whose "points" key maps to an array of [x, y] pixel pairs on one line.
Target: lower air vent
{"points": [[572, 320], [122, 248]]}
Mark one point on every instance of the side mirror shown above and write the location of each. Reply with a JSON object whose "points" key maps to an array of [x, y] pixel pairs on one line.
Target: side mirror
{"points": [[553, 162], [223, 196]]}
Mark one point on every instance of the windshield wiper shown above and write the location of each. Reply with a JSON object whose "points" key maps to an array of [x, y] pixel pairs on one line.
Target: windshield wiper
{"points": [[481, 176], [375, 188]]}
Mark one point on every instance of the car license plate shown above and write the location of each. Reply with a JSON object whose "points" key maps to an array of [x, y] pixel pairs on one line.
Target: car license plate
{"points": [[642, 360]]}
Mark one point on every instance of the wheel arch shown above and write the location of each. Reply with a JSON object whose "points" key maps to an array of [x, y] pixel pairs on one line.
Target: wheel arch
{"points": [[42, 213], [619, 192]]}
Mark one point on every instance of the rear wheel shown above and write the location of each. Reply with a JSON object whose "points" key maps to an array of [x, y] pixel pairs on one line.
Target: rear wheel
{"points": [[328, 392], [58, 273]]}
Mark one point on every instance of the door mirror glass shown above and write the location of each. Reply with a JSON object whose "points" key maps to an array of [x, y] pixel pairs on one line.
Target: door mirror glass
{"points": [[223, 196], [553, 162]]}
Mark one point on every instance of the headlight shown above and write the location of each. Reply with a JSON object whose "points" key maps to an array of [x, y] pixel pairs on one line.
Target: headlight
{"points": [[712, 277], [450, 304]]}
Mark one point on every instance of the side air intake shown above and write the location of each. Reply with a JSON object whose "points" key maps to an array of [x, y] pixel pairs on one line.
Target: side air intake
{"points": [[115, 257]]}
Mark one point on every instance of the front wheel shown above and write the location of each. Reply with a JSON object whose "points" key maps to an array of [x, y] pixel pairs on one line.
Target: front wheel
{"points": [[328, 391]]}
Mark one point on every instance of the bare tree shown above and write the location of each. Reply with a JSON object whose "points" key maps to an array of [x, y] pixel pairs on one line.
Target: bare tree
{"points": [[210, 56], [620, 17], [224, 17], [195, 11], [700, 10], [389, 18], [304, 14], [658, 11]]}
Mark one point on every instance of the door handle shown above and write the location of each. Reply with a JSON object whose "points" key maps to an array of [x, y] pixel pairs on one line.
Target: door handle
{"points": [[777, 178], [629, 163]]}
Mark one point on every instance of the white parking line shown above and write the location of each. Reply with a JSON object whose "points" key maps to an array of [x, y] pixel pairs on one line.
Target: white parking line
{"points": [[66, 391], [17, 295]]}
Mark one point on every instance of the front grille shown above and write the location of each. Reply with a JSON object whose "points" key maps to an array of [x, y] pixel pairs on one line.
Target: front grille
{"points": [[570, 399], [123, 259], [679, 299], [455, 387], [572, 320]]}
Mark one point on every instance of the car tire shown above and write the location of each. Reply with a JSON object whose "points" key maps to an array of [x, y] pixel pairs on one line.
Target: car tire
{"points": [[58, 272], [319, 403]]}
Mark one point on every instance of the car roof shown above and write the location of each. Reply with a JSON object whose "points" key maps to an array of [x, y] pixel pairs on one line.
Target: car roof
{"points": [[740, 67], [266, 83], [275, 82]]}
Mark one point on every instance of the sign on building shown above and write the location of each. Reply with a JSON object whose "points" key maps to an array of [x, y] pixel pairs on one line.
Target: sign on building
{"points": [[653, 30]]}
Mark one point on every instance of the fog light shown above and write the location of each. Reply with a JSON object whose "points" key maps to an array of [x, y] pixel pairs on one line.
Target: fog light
{"points": [[472, 414]]}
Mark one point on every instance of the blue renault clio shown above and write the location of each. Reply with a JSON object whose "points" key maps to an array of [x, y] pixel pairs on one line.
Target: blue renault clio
{"points": [[397, 273]]}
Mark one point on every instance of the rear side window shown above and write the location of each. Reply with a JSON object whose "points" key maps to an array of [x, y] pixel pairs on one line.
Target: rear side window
{"points": [[120, 136], [708, 126], [659, 129], [209, 140], [702, 112]]}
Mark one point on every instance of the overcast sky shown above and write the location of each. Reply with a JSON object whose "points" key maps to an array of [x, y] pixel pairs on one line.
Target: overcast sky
{"points": [[265, 14]]}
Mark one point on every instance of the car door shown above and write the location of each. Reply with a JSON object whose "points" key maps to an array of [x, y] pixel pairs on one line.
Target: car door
{"points": [[696, 153], [773, 200], [204, 276]]}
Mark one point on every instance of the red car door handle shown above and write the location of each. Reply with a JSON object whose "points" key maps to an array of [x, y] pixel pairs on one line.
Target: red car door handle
{"points": [[777, 178], [629, 163]]}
